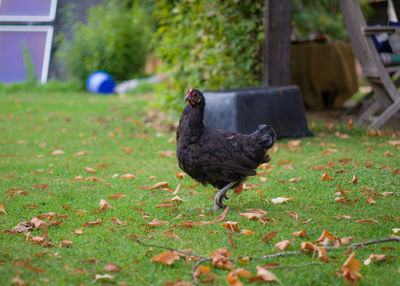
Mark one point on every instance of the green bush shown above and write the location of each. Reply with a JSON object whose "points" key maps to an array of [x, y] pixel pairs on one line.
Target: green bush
{"points": [[209, 44], [115, 40]]}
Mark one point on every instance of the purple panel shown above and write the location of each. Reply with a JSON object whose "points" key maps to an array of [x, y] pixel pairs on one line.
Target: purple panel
{"points": [[25, 7], [12, 65]]}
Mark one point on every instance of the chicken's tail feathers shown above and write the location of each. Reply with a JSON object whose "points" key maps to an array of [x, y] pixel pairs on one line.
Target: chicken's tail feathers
{"points": [[267, 135]]}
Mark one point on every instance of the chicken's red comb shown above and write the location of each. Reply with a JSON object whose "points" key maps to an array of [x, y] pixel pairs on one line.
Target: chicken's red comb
{"points": [[190, 91]]}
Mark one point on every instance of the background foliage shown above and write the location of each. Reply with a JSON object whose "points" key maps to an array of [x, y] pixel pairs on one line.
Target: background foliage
{"points": [[209, 44], [115, 39]]}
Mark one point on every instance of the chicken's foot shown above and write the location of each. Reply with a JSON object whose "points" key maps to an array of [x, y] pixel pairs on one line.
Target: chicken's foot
{"points": [[222, 195]]}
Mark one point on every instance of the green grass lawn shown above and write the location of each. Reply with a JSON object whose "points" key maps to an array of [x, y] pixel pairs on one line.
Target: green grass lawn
{"points": [[121, 136]]}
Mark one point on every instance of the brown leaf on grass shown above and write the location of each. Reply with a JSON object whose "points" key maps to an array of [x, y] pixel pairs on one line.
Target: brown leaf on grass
{"points": [[394, 142], [247, 232], [280, 200], [328, 238], [329, 166], [295, 179], [343, 192], [93, 179], [57, 152], [270, 235], [127, 176], [90, 260], [293, 214], [78, 231], [354, 180], [233, 277], [368, 220], [388, 154], [104, 205], [176, 199], [220, 259], [24, 226], [222, 216], [89, 170], [231, 225], [78, 178], [251, 216], [170, 234], [264, 275], [78, 271], [257, 211], [31, 206], [167, 258], [93, 223], [65, 243], [282, 245], [111, 267], [180, 175], [167, 153], [38, 222], [17, 280], [343, 217], [205, 271], [179, 282], [350, 269], [302, 233], [80, 153], [155, 186], [103, 277], [308, 247], [370, 201], [2, 208], [155, 223], [375, 257], [326, 177], [117, 196], [117, 221]]}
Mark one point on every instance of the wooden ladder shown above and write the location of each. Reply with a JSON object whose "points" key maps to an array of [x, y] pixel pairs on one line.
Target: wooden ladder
{"points": [[387, 103]]}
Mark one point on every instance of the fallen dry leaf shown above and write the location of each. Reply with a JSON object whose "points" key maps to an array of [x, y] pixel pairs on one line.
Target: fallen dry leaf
{"points": [[293, 214], [97, 222], [90, 170], [205, 271], [127, 176], [346, 240], [265, 275], [221, 217], [233, 277], [111, 267], [251, 216], [2, 208], [350, 269], [103, 277], [78, 231], [104, 205], [80, 153], [155, 186], [176, 199], [180, 175], [375, 257], [326, 177], [65, 243], [220, 259], [270, 235], [167, 153], [302, 233], [155, 223], [117, 196], [170, 234], [354, 180], [17, 280], [367, 220], [57, 152], [326, 238], [282, 245], [117, 221], [231, 225], [247, 232], [280, 200], [79, 271]]}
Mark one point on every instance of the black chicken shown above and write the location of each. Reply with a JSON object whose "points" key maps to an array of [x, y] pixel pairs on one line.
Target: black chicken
{"points": [[220, 158]]}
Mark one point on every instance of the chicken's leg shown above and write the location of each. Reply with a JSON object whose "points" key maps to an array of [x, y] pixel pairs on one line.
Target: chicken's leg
{"points": [[221, 195]]}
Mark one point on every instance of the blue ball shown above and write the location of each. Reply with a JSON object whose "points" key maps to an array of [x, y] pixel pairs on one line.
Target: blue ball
{"points": [[100, 82]]}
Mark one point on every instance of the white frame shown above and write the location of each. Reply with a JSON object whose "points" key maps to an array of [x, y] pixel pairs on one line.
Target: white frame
{"points": [[47, 50], [25, 18]]}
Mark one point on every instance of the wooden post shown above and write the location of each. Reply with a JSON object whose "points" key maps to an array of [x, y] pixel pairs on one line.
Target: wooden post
{"points": [[276, 55]]}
